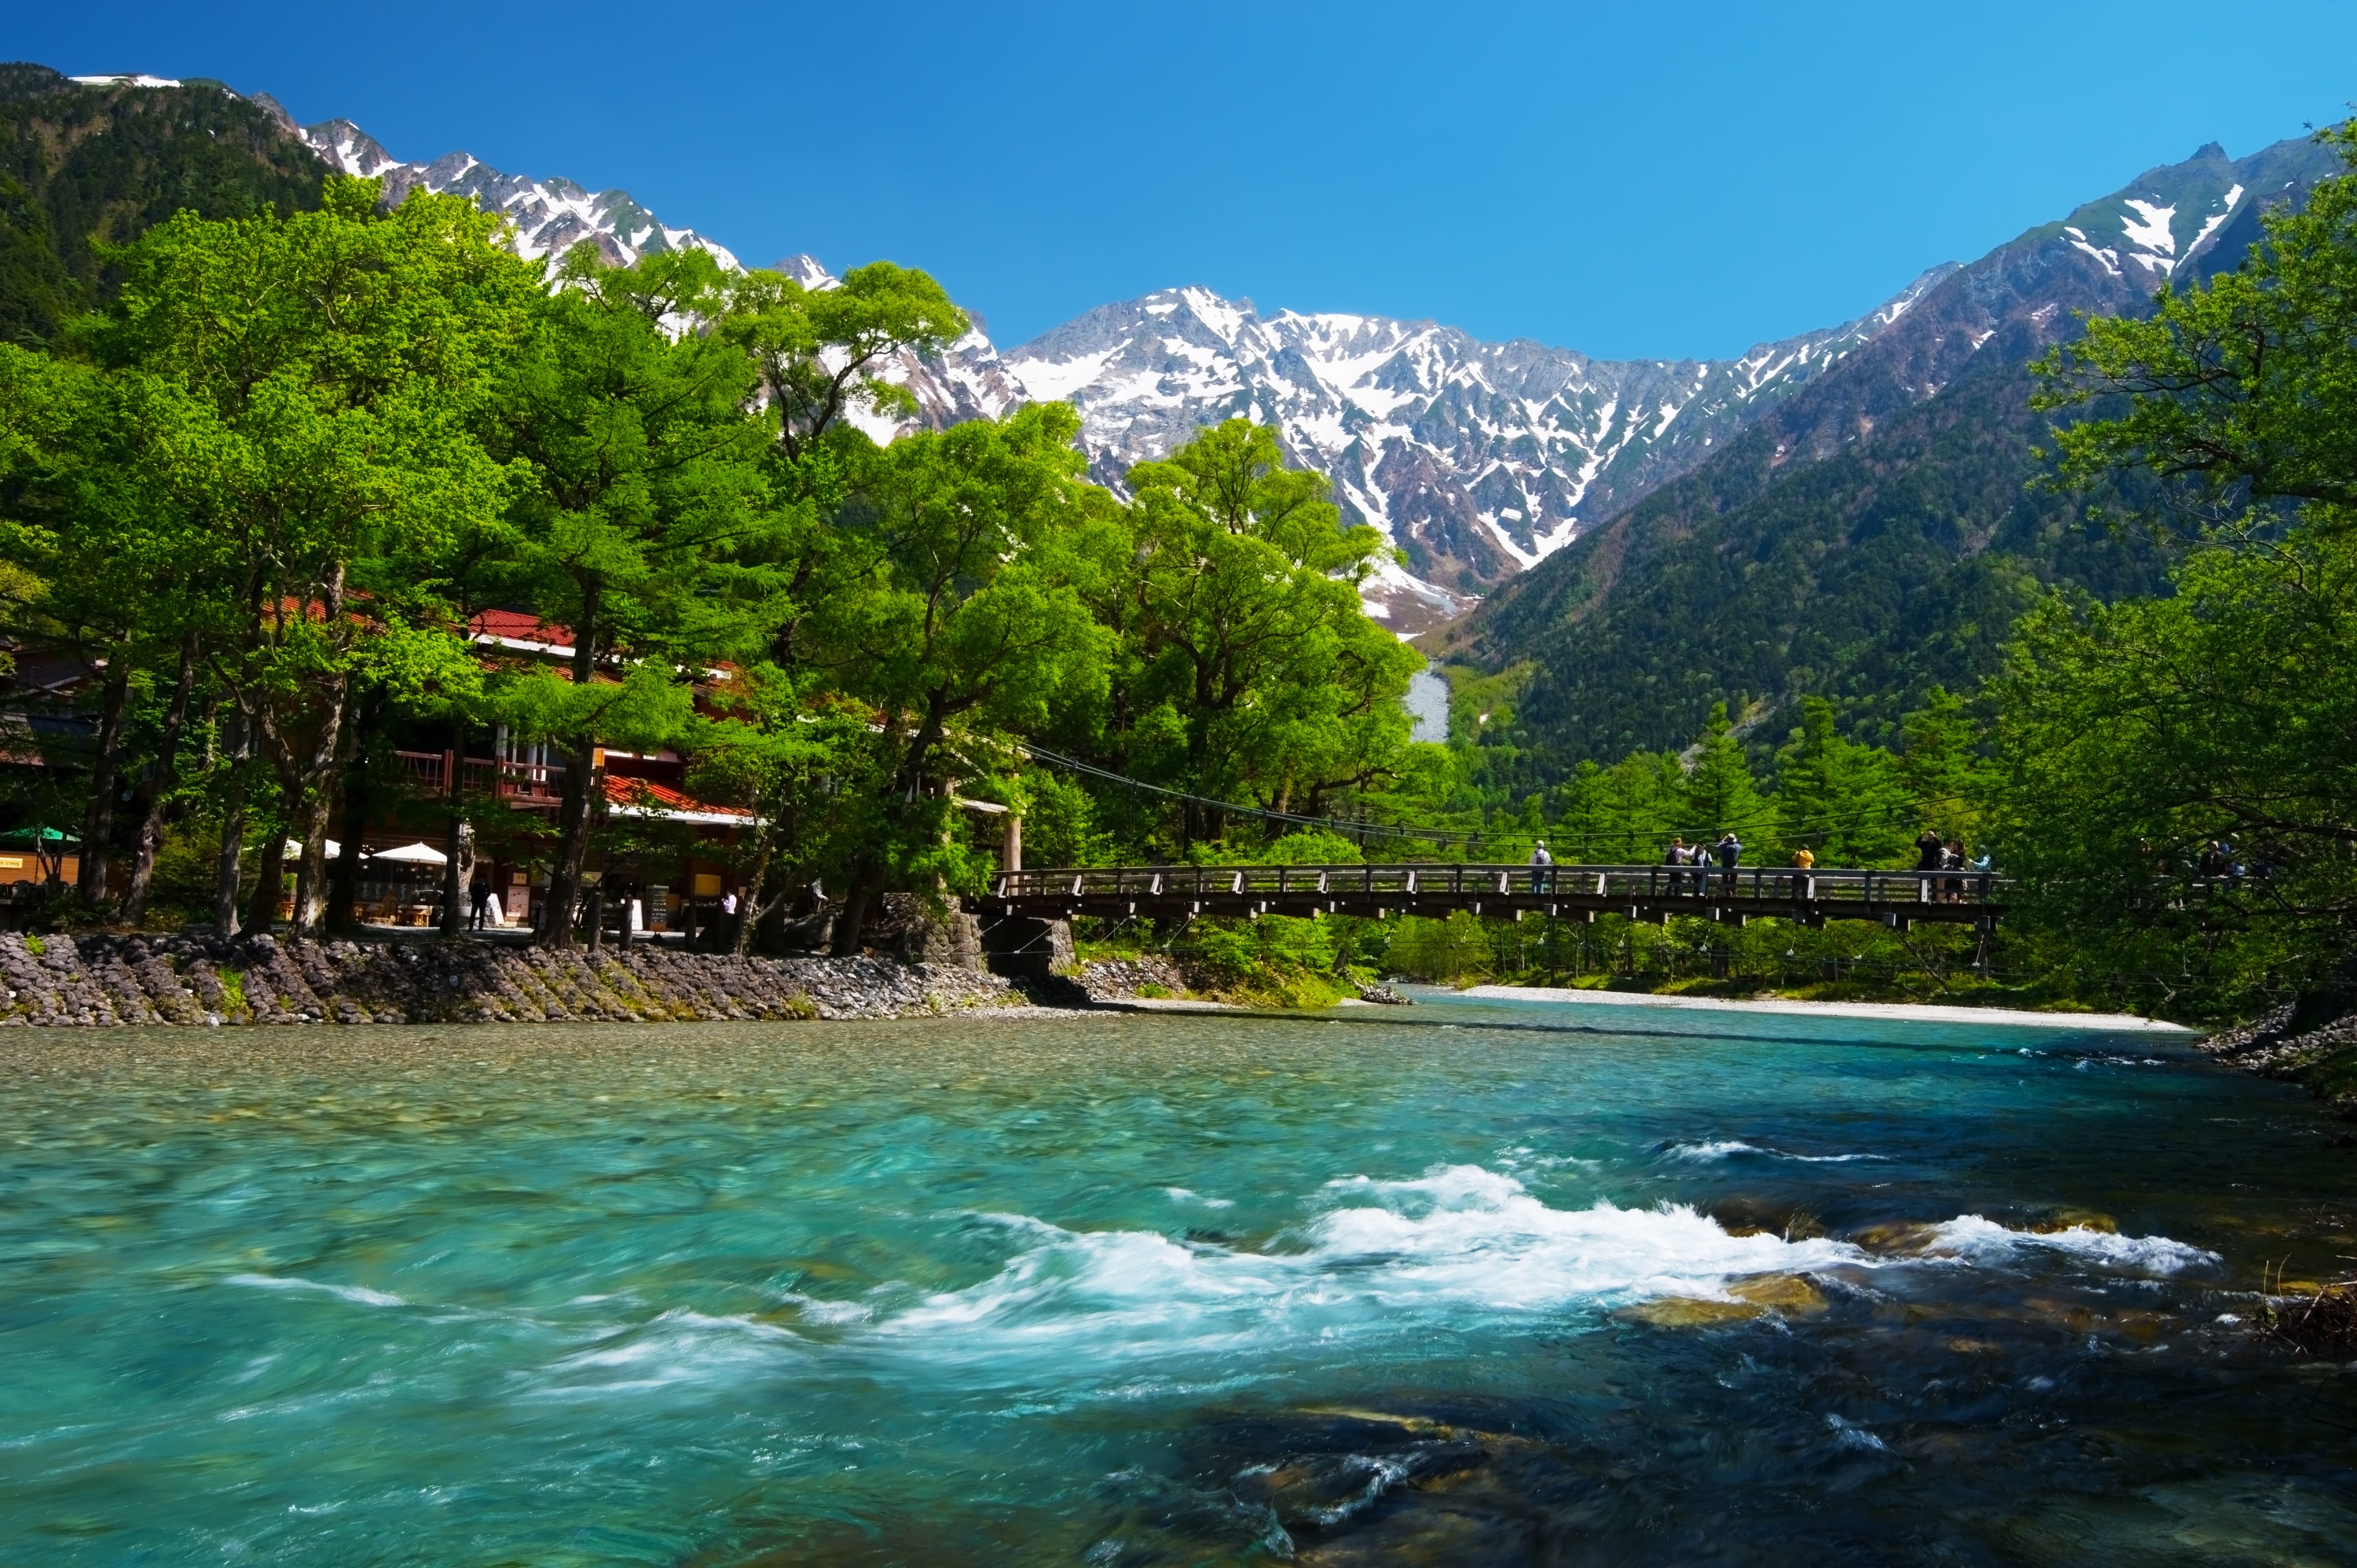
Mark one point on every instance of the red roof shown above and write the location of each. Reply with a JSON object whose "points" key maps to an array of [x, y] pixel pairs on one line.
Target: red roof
{"points": [[519, 626], [646, 795]]}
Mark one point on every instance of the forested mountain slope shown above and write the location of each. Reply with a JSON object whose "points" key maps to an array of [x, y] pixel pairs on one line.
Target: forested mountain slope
{"points": [[81, 164], [1876, 532]]}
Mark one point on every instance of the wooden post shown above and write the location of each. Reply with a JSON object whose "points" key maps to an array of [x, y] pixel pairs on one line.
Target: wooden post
{"points": [[1011, 855]]}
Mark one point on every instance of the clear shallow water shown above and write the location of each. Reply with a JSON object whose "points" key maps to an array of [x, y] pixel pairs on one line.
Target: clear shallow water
{"points": [[1456, 1285]]}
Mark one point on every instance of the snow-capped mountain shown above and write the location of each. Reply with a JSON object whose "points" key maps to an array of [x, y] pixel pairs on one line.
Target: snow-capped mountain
{"points": [[1477, 460], [551, 216], [2172, 215]]}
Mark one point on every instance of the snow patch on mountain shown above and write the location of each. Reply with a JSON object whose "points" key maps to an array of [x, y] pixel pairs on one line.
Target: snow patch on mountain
{"points": [[1477, 460], [551, 216]]}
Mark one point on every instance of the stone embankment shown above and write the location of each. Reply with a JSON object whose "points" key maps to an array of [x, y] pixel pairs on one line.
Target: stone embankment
{"points": [[2312, 1041], [1119, 979], [95, 981]]}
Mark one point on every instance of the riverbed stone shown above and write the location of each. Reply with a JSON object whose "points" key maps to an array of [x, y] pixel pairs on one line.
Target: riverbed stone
{"points": [[1691, 1311]]}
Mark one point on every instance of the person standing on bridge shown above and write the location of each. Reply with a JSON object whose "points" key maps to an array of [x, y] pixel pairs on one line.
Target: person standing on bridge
{"points": [[1804, 860], [1542, 867], [1730, 853], [1678, 855]]}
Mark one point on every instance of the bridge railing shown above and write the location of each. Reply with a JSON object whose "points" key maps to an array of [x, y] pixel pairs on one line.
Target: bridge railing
{"points": [[1409, 881]]}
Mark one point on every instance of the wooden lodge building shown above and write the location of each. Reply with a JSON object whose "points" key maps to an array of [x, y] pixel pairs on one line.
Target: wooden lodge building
{"points": [[660, 856]]}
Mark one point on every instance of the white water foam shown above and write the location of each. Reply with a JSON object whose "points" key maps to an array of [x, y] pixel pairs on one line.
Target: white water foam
{"points": [[360, 1294], [1136, 1313], [1720, 1149], [677, 1347], [1976, 1240], [1391, 1257]]}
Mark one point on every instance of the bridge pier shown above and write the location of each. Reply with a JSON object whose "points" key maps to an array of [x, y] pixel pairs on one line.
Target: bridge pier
{"points": [[1023, 947]]}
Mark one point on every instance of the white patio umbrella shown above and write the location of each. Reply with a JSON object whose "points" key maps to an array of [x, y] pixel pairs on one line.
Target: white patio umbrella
{"points": [[413, 854]]}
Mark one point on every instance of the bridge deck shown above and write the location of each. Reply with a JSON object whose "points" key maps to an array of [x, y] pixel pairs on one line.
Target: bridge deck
{"points": [[1650, 893]]}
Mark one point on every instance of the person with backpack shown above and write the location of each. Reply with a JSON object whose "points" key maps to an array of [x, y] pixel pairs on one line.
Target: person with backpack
{"points": [[1542, 864], [1678, 855]]}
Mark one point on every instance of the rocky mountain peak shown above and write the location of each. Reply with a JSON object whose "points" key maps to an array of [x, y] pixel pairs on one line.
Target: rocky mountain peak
{"points": [[550, 216]]}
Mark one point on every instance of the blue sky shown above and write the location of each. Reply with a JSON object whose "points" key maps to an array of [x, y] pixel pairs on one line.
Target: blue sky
{"points": [[1663, 179]]}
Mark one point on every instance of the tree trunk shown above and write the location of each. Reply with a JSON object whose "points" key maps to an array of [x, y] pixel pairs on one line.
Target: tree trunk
{"points": [[311, 821], [311, 787], [232, 845], [156, 793], [98, 820], [270, 879], [865, 885], [344, 876], [908, 787], [572, 849], [749, 907], [454, 887], [580, 791]]}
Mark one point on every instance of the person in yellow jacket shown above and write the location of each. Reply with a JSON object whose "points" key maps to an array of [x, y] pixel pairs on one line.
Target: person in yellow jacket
{"points": [[1802, 859]]}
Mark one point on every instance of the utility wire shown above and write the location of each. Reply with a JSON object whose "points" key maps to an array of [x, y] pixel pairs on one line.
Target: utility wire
{"points": [[1337, 824]]}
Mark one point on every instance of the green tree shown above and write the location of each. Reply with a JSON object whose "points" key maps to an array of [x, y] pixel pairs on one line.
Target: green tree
{"points": [[302, 387], [1939, 761], [2130, 738], [108, 585], [967, 621], [1624, 814], [1251, 633], [639, 485], [1720, 793], [1845, 800], [2242, 389], [824, 354]]}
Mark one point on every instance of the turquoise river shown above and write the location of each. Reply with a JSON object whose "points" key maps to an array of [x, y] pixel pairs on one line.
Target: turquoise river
{"points": [[1478, 1281]]}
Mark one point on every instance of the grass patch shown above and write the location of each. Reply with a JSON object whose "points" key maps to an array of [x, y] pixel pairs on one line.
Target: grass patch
{"points": [[35, 945], [232, 984]]}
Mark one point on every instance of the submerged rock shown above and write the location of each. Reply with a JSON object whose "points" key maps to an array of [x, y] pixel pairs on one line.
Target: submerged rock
{"points": [[1754, 1295], [2056, 1220], [1691, 1311], [1791, 1294]]}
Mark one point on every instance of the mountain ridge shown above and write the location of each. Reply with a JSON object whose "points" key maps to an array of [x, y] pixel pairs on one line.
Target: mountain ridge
{"points": [[1877, 533], [1482, 462]]}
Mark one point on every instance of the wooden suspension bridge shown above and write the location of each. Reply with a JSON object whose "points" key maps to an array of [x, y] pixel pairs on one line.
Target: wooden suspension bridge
{"points": [[1647, 893]]}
